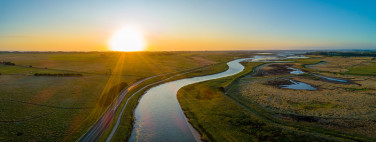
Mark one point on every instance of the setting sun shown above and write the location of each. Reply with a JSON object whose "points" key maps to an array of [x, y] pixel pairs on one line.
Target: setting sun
{"points": [[127, 39]]}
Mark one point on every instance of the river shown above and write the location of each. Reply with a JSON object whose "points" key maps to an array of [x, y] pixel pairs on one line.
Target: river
{"points": [[159, 117]]}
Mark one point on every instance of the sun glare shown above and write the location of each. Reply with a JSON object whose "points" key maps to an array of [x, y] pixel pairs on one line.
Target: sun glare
{"points": [[127, 39]]}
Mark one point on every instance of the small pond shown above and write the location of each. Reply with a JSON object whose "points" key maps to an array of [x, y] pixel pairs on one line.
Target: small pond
{"points": [[295, 71], [298, 86]]}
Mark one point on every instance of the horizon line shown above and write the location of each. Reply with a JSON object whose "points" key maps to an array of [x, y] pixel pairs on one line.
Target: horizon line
{"points": [[67, 51]]}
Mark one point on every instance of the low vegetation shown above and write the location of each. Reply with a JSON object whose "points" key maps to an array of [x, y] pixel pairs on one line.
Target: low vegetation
{"points": [[337, 111], [366, 69], [218, 118]]}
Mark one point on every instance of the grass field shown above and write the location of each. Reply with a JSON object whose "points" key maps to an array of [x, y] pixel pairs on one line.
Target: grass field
{"points": [[335, 112], [67, 106], [342, 65], [369, 69]]}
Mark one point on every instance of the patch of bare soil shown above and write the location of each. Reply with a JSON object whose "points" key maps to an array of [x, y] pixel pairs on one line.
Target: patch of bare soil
{"points": [[279, 82], [275, 69]]}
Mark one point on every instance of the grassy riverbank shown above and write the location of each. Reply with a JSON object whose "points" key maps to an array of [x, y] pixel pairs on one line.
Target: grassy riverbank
{"points": [[126, 125]]}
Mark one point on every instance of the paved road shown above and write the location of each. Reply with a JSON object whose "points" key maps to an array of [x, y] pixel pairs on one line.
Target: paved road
{"points": [[103, 122]]}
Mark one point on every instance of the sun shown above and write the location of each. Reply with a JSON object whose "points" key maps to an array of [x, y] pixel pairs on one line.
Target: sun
{"points": [[127, 39]]}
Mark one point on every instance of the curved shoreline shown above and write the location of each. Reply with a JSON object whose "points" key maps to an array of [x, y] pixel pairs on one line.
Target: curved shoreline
{"points": [[159, 115], [140, 90]]}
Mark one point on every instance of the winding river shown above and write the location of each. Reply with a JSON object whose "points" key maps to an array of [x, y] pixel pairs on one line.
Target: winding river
{"points": [[159, 116]]}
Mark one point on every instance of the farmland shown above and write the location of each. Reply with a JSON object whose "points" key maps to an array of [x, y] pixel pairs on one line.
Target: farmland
{"points": [[65, 93], [62, 108]]}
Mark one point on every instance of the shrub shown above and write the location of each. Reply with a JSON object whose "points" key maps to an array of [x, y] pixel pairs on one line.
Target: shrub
{"points": [[7, 63], [222, 89]]}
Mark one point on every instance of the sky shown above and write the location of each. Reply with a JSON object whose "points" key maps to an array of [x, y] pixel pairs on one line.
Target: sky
{"points": [[174, 25]]}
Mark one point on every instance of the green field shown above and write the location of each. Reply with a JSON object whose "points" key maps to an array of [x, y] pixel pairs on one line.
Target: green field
{"points": [[57, 108], [67, 106], [364, 69]]}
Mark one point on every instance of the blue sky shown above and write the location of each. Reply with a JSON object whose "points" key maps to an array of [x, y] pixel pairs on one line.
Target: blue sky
{"points": [[190, 25]]}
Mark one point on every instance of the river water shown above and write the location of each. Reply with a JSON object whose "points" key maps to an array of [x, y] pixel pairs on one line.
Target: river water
{"points": [[159, 116]]}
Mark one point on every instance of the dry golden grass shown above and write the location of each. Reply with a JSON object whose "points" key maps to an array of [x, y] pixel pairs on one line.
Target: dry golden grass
{"points": [[331, 100], [345, 107]]}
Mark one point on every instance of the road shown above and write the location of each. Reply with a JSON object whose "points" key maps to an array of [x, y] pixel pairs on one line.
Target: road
{"points": [[104, 121]]}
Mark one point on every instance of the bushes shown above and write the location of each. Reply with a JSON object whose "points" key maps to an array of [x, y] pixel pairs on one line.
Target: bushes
{"points": [[222, 89], [58, 74], [7, 63]]}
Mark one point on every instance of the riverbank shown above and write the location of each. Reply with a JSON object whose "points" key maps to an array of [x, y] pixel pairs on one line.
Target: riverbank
{"points": [[159, 116], [127, 121]]}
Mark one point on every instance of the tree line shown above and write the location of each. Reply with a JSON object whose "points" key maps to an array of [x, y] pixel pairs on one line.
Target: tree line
{"points": [[345, 54]]}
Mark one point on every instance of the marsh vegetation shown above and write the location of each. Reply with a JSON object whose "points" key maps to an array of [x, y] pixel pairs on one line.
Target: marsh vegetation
{"points": [[334, 110]]}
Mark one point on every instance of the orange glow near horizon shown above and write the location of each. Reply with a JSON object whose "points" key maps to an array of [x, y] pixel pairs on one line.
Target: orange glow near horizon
{"points": [[127, 39]]}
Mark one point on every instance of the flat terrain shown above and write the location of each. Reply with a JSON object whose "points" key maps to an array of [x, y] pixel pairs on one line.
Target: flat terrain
{"points": [[257, 102], [62, 108], [67, 106]]}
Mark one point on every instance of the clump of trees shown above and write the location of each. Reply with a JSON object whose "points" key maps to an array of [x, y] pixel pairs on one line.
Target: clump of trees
{"points": [[7, 63], [58, 74], [108, 97], [345, 54]]}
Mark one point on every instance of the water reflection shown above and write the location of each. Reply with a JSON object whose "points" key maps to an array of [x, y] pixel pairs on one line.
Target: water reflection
{"points": [[298, 86], [331, 79], [159, 116]]}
